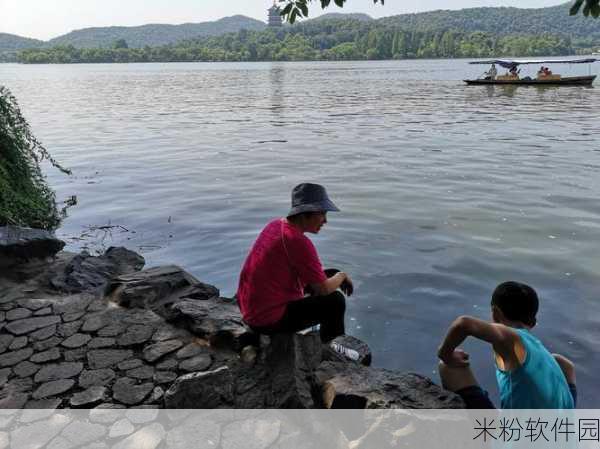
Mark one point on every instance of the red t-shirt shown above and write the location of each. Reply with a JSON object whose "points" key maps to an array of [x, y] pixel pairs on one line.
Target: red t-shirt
{"points": [[280, 264]]}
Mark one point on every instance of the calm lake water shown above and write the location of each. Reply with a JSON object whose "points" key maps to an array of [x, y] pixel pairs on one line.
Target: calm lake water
{"points": [[445, 190]]}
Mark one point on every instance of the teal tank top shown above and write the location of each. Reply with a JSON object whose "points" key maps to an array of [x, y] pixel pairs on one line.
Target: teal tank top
{"points": [[538, 383]]}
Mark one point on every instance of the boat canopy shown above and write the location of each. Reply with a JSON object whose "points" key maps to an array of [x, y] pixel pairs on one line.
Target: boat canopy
{"points": [[509, 63]]}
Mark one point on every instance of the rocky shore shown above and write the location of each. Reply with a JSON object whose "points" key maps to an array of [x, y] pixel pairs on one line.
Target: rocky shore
{"points": [[78, 331]]}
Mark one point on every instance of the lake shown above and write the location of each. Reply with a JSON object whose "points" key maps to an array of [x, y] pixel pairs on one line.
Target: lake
{"points": [[445, 190]]}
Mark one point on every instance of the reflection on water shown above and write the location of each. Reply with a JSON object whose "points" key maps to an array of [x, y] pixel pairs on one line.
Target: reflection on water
{"points": [[445, 190]]}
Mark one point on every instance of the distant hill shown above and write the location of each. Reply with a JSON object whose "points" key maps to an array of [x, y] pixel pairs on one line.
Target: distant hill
{"points": [[501, 21], [155, 35], [12, 42], [342, 16]]}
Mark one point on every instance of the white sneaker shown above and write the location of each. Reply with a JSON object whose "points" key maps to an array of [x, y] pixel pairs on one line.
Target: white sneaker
{"points": [[346, 352]]}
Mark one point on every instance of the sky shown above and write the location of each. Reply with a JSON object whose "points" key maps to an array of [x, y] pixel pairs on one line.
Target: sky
{"points": [[45, 19]]}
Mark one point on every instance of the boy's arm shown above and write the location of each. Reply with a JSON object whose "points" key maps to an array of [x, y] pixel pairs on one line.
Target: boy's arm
{"points": [[501, 337]]}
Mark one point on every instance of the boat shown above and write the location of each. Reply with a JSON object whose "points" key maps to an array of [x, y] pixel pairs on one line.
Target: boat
{"points": [[543, 77]]}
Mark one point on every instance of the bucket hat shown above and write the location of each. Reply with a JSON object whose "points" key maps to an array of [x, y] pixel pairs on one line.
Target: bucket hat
{"points": [[308, 197]]}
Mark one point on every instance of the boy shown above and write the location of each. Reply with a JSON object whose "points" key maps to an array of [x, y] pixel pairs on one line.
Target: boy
{"points": [[528, 376]]}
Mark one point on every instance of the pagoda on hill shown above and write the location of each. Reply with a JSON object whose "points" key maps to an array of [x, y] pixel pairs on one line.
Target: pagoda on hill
{"points": [[275, 19]]}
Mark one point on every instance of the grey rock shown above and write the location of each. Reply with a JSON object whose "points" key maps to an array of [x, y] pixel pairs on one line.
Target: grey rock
{"points": [[72, 316], [169, 333], [19, 244], [157, 395], [27, 325], [18, 343], [250, 434], [216, 319], [121, 428], [248, 354], [72, 303], [141, 415], [194, 429], [142, 372], [167, 364], [135, 334], [349, 385], [43, 334], [80, 433], [126, 390], [40, 409], [5, 341], [26, 369], [14, 357], [58, 371], [4, 440], [148, 437], [97, 305], [89, 397], [190, 350], [4, 375], [104, 358], [198, 363], [155, 288], [68, 329], [2, 316], [96, 378], [75, 355], [364, 352], [47, 344], [209, 389], [94, 323], [18, 314], [12, 399], [101, 342], [35, 303], [21, 385], [112, 330], [38, 434], [46, 356], [130, 364], [44, 311], [85, 273], [155, 351], [164, 377], [53, 388], [76, 341]]}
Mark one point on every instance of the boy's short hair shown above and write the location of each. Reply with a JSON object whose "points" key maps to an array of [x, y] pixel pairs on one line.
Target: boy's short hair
{"points": [[517, 301]]}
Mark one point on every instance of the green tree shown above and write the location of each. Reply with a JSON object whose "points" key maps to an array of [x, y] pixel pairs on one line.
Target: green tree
{"points": [[120, 43]]}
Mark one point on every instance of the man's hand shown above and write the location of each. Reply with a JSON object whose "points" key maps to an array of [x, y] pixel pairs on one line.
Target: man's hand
{"points": [[347, 286], [458, 358]]}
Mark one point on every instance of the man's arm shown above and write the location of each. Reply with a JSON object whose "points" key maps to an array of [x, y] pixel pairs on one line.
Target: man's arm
{"points": [[330, 285], [501, 337]]}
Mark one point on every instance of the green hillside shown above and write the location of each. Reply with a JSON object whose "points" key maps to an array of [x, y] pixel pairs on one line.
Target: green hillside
{"points": [[12, 42], [154, 35]]}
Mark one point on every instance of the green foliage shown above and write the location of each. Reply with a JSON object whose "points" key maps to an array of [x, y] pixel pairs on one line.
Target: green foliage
{"points": [[590, 7], [25, 198], [299, 8], [120, 43]]}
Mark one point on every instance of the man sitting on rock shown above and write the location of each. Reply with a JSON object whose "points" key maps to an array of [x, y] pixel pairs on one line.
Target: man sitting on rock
{"points": [[283, 263], [528, 376]]}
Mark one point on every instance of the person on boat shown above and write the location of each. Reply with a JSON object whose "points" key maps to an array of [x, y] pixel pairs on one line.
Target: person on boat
{"points": [[491, 73], [513, 71], [528, 376], [283, 264]]}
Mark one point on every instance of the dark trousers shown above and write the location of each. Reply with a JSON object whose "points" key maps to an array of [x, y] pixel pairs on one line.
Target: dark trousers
{"points": [[328, 311]]}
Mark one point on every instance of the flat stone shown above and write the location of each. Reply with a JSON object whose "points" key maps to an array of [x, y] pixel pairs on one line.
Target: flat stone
{"points": [[121, 428], [101, 342], [163, 377], [12, 399], [53, 388], [58, 371], [142, 372], [76, 341], [20, 327], [68, 329], [167, 364], [169, 333], [44, 311], [72, 316], [47, 344], [26, 369], [22, 244], [14, 357], [198, 363], [35, 303], [126, 390], [104, 358], [72, 304], [18, 314], [190, 351], [157, 394], [4, 375], [93, 323], [148, 437], [44, 333], [135, 335], [97, 305], [24, 384], [112, 330], [130, 364], [96, 378], [155, 351], [251, 434], [2, 316], [141, 415], [38, 434], [80, 433], [5, 341], [48, 405], [18, 343], [89, 397], [4, 440], [75, 355], [46, 356]]}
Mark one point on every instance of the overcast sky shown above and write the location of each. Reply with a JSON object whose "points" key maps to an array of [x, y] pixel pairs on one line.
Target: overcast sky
{"points": [[45, 19]]}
